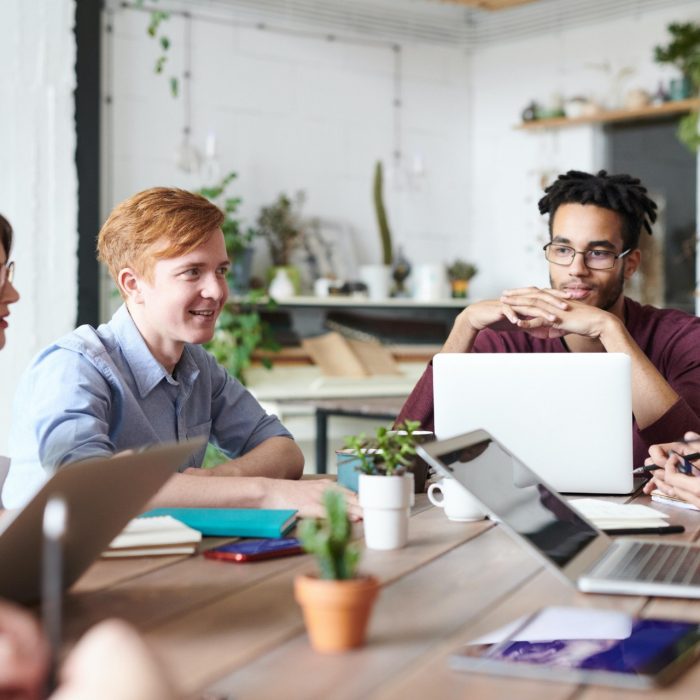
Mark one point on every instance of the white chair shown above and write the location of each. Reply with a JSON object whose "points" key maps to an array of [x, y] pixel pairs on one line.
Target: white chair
{"points": [[4, 468]]}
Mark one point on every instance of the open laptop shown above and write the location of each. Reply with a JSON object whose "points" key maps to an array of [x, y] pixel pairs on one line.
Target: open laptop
{"points": [[568, 415], [101, 495], [540, 519]]}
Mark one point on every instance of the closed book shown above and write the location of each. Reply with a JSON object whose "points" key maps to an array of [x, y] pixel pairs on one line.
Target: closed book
{"points": [[232, 522], [154, 537], [661, 497]]}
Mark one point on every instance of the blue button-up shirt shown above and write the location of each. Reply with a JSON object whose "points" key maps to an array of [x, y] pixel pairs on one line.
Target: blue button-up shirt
{"points": [[99, 391]]}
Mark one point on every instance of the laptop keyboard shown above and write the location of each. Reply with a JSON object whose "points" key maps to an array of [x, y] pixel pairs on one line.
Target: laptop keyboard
{"points": [[654, 563]]}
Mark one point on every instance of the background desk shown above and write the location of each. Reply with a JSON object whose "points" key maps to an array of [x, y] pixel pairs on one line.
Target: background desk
{"points": [[236, 629]]}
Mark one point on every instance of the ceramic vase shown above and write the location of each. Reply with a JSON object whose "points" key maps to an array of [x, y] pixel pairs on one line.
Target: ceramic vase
{"points": [[386, 508]]}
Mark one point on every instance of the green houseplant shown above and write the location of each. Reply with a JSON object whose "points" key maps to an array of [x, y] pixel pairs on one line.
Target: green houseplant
{"points": [[683, 51], [337, 603], [282, 226], [240, 331], [237, 237], [459, 273], [386, 483]]}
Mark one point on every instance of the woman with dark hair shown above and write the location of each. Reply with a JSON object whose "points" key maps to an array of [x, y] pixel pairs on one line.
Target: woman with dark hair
{"points": [[8, 294]]}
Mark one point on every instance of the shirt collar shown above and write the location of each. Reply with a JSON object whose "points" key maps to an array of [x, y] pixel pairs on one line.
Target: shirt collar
{"points": [[146, 370]]}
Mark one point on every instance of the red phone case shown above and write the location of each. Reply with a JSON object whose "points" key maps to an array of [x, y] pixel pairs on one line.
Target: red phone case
{"points": [[242, 557]]}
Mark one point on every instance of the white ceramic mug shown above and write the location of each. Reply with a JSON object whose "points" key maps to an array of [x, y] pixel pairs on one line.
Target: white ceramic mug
{"points": [[456, 501]]}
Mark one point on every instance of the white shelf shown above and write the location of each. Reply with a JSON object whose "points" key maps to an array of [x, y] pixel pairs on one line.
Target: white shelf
{"points": [[364, 302]]}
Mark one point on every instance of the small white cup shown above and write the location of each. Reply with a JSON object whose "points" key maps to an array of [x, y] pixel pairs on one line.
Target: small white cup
{"points": [[457, 502]]}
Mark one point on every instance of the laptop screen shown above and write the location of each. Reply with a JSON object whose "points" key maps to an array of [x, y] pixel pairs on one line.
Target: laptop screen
{"points": [[513, 493]]}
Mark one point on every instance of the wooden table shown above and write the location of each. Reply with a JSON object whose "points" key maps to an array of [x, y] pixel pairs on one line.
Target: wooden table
{"points": [[235, 631]]}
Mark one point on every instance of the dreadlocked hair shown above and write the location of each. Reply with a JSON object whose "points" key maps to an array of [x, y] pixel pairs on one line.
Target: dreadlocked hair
{"points": [[622, 194]]}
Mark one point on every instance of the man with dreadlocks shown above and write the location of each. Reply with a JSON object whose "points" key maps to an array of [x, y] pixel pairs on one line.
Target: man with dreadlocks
{"points": [[594, 224]]}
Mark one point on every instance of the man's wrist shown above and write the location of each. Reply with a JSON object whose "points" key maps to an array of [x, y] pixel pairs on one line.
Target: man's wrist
{"points": [[463, 334], [612, 330]]}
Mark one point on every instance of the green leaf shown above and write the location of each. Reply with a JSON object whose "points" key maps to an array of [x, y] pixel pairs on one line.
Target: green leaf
{"points": [[165, 43], [174, 86]]}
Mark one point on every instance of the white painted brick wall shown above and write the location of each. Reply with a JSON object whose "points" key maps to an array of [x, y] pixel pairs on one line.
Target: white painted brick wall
{"points": [[38, 183], [292, 113], [504, 182]]}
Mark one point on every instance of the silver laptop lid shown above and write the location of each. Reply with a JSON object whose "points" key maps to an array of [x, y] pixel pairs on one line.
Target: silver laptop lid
{"points": [[102, 495], [567, 415], [531, 510]]}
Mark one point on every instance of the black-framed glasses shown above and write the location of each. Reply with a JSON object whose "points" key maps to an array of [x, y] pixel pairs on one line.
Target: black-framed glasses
{"points": [[594, 259], [7, 273]]}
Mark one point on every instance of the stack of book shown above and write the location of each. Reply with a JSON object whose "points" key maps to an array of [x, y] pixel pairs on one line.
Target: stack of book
{"points": [[157, 536]]}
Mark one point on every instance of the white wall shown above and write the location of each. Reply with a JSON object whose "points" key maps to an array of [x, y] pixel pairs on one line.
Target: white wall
{"points": [[38, 183], [509, 166], [299, 112]]}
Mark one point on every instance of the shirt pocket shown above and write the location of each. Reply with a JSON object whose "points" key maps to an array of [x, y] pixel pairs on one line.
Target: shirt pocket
{"points": [[199, 430]]}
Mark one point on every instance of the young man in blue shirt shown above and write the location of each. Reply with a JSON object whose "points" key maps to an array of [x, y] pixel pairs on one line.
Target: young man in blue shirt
{"points": [[144, 378]]}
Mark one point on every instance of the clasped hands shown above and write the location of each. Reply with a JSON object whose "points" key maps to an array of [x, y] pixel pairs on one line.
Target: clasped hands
{"points": [[543, 313]]}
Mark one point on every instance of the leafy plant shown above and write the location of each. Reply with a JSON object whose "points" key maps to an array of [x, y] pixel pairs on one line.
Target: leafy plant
{"points": [[240, 331], [236, 237], [329, 539], [389, 452], [282, 227], [461, 270], [683, 51], [380, 211], [156, 19]]}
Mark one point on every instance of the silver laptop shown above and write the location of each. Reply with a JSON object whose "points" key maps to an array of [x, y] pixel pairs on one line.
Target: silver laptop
{"points": [[101, 495], [539, 518], [568, 415]]}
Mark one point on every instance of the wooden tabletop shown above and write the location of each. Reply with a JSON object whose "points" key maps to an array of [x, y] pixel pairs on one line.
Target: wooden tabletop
{"points": [[233, 630]]}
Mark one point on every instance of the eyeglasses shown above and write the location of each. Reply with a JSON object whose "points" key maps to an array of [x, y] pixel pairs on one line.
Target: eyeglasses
{"points": [[7, 273], [594, 259]]}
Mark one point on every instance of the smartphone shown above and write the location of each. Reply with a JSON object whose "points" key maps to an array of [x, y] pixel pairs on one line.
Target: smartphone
{"points": [[255, 550]]}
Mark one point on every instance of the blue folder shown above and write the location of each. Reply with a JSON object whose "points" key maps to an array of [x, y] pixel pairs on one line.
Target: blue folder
{"points": [[232, 522]]}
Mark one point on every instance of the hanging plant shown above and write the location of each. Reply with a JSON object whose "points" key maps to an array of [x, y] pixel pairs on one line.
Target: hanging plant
{"points": [[154, 30]]}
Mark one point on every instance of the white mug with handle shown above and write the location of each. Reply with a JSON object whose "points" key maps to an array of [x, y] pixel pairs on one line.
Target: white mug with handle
{"points": [[457, 502]]}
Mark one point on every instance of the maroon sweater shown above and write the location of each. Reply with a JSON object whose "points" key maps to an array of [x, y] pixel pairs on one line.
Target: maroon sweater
{"points": [[669, 338]]}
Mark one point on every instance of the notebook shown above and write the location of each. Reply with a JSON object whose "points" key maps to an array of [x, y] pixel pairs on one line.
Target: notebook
{"points": [[232, 522], [102, 495], [567, 415], [541, 520], [158, 536]]}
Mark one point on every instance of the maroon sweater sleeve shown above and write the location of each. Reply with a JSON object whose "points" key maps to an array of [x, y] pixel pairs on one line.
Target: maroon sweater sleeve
{"points": [[419, 404]]}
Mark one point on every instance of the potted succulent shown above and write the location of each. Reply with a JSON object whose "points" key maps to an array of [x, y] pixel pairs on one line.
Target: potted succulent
{"points": [[459, 274], [386, 484], [337, 603], [281, 225], [683, 51], [238, 239]]}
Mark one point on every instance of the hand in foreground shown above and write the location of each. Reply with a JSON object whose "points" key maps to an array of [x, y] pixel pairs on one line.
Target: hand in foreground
{"points": [[669, 480], [24, 655], [112, 662], [306, 496], [550, 313]]}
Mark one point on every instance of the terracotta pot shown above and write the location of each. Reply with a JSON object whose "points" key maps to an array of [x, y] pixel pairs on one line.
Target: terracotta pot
{"points": [[336, 613]]}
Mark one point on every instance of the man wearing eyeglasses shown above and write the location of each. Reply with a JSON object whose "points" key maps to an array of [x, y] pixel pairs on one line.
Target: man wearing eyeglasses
{"points": [[595, 222]]}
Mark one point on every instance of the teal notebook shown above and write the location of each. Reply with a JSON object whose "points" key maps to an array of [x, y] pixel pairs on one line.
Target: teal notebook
{"points": [[232, 522]]}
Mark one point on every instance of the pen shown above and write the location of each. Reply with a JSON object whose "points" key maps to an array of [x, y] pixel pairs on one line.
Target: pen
{"points": [[685, 467], [54, 531], [663, 530]]}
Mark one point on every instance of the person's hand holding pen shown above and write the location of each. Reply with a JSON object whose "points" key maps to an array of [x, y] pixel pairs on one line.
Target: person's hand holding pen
{"points": [[678, 468]]}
